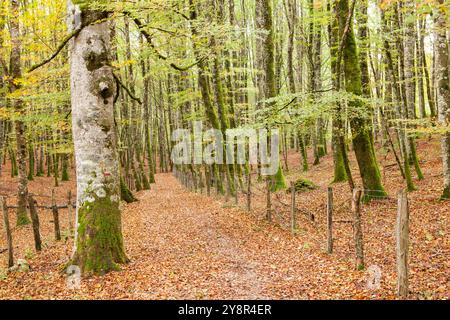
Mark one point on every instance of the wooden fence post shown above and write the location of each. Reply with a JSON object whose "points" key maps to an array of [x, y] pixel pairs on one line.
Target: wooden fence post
{"points": [[7, 231], [268, 202], [249, 189], [293, 209], [330, 220], [35, 222], [55, 216], [402, 235], [357, 230]]}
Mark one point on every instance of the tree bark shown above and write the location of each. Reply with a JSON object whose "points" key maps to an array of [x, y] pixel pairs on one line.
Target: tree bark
{"points": [[362, 142], [16, 73], [443, 89], [98, 240], [410, 84]]}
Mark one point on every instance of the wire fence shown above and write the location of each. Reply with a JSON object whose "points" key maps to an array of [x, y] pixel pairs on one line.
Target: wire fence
{"points": [[32, 207], [281, 209]]}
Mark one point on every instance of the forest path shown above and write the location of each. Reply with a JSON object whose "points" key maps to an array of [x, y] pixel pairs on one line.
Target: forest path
{"points": [[194, 245], [185, 245]]}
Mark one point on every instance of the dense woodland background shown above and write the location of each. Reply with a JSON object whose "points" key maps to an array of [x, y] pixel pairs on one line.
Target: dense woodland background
{"points": [[358, 88]]}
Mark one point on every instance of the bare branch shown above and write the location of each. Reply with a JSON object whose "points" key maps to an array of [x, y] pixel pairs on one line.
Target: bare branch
{"points": [[149, 39], [61, 46], [127, 90]]}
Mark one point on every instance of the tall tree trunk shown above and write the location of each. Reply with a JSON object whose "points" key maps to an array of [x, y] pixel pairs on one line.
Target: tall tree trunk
{"points": [[205, 90], [99, 242], [340, 158], [147, 118], [400, 105], [362, 142], [15, 74], [443, 88], [268, 53], [419, 69], [3, 71], [410, 84], [292, 22]]}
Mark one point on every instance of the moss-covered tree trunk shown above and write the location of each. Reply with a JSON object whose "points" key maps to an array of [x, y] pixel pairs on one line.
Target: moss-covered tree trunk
{"points": [[3, 70], [292, 23], [419, 70], [30, 162], [2, 137], [314, 75], [340, 158], [15, 74], [392, 75], [147, 118], [443, 88], [268, 63], [65, 168], [410, 84], [203, 83], [224, 118], [99, 244], [361, 129]]}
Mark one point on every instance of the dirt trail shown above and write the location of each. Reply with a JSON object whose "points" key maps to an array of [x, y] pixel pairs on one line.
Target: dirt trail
{"points": [[186, 233], [192, 246]]}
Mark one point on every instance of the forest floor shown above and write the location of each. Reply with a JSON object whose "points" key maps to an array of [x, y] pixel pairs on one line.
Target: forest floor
{"points": [[185, 245]]}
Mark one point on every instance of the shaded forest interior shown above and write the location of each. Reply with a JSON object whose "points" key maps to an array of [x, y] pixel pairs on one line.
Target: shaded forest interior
{"points": [[94, 95]]}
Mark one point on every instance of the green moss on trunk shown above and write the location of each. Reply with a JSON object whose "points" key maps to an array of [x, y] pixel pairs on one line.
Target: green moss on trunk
{"points": [[340, 174], [362, 142], [303, 153], [14, 169], [414, 159], [65, 171], [30, 163], [125, 193], [368, 167], [99, 243], [446, 193], [145, 182], [279, 182]]}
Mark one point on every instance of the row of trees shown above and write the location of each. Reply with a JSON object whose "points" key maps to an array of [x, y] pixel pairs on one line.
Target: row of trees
{"points": [[328, 73]]}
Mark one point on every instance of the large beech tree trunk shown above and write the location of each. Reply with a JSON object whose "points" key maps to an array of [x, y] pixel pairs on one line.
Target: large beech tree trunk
{"points": [[99, 243]]}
